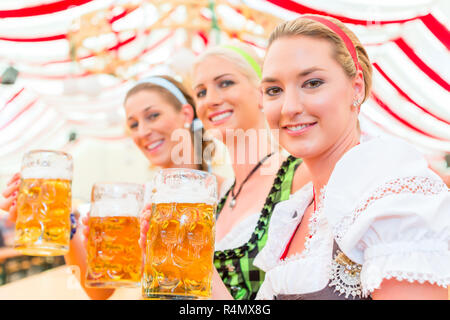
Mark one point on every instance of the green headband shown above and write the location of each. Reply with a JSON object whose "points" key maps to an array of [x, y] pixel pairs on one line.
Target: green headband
{"points": [[247, 58]]}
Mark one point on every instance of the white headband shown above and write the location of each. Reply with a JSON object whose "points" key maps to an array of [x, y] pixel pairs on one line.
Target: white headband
{"points": [[166, 84], [169, 86]]}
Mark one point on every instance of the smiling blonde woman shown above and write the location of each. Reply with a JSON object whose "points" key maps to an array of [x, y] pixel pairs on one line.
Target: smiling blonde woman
{"points": [[228, 101], [375, 221]]}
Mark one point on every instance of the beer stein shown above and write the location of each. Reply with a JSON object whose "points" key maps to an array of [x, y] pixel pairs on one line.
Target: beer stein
{"points": [[180, 240], [114, 254], [44, 204]]}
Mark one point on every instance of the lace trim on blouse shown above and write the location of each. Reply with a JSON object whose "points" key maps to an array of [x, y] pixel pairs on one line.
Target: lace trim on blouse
{"points": [[422, 185]]}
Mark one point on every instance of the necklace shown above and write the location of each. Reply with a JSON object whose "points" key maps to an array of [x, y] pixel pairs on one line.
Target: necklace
{"points": [[234, 196]]}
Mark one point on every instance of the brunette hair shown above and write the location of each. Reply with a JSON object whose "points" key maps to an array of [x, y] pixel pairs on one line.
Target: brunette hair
{"points": [[172, 100]]}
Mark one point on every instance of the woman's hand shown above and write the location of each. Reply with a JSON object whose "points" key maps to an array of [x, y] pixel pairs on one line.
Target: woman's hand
{"points": [[10, 194], [145, 219], [77, 257]]}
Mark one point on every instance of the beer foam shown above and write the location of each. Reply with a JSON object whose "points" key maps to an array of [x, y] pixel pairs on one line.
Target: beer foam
{"points": [[192, 193], [46, 173], [127, 207]]}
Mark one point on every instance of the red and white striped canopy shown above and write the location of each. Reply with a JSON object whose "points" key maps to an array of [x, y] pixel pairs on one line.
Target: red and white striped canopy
{"points": [[408, 42]]}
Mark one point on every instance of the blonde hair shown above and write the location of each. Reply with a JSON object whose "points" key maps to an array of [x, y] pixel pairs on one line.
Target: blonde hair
{"points": [[237, 59], [311, 28]]}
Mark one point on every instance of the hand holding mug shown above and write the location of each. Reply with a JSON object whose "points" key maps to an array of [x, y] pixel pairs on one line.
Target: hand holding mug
{"points": [[10, 194]]}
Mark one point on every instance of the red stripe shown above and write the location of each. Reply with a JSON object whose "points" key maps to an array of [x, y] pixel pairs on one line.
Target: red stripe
{"points": [[438, 29], [204, 37], [26, 145], [61, 36], [404, 95], [12, 98], [285, 252], [403, 121], [120, 44], [299, 8], [38, 39], [116, 47], [89, 56], [44, 110], [121, 15], [19, 113], [42, 9], [419, 63], [253, 44], [158, 43], [85, 74]]}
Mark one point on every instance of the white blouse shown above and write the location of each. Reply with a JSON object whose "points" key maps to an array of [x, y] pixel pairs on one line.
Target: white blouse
{"points": [[241, 233], [386, 210]]}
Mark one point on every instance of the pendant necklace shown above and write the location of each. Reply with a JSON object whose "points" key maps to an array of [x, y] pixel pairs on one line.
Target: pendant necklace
{"points": [[234, 196]]}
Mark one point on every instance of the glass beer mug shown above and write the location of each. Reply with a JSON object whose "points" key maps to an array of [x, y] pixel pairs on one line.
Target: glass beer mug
{"points": [[114, 254], [44, 204], [180, 240]]}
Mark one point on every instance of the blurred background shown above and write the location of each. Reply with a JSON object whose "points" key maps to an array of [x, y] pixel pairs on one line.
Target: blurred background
{"points": [[65, 67]]}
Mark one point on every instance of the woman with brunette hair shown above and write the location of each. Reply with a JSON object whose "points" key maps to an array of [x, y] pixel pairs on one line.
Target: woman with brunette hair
{"points": [[159, 111]]}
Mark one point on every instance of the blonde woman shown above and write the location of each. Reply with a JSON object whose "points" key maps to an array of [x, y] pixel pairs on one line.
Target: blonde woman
{"points": [[375, 221], [228, 102]]}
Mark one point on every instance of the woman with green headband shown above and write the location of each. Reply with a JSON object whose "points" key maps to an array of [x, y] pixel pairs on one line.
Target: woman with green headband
{"points": [[228, 102]]}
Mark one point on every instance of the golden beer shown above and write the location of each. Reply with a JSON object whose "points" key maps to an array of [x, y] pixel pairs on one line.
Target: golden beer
{"points": [[44, 204], [114, 254], [115, 257], [178, 261], [180, 248]]}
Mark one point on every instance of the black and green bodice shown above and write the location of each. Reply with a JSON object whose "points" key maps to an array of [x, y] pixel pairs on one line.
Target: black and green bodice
{"points": [[235, 266]]}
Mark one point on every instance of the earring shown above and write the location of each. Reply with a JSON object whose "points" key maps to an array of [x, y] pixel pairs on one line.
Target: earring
{"points": [[187, 125], [356, 103]]}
